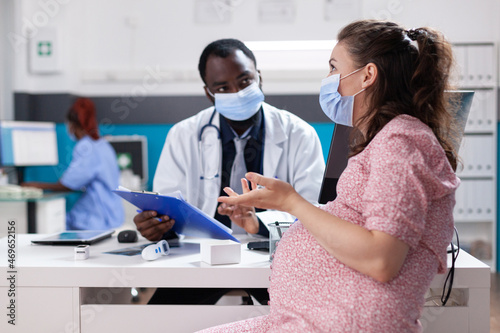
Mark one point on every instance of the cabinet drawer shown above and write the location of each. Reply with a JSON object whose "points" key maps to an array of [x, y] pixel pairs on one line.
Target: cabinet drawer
{"points": [[97, 318]]}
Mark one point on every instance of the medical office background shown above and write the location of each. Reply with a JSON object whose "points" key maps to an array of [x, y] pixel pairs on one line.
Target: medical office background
{"points": [[138, 61]]}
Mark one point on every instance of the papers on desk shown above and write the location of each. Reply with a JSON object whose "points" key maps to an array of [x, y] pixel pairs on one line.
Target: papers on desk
{"points": [[189, 220], [129, 251], [11, 191], [137, 250]]}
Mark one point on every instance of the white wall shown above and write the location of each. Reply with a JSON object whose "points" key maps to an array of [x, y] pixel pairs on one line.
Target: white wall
{"points": [[109, 44], [6, 86], [2, 63]]}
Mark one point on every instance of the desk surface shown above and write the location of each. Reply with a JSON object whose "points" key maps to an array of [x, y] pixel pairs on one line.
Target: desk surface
{"points": [[44, 196], [42, 265]]}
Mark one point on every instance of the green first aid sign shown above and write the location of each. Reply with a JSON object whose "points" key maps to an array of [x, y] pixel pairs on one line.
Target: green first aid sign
{"points": [[44, 49], [124, 161]]}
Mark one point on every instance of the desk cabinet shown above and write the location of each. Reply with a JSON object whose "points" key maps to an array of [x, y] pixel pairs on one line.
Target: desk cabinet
{"points": [[162, 318], [43, 215], [190, 318], [42, 309]]}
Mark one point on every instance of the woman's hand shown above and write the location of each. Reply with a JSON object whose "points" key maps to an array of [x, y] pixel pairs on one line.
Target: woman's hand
{"points": [[266, 193], [244, 216], [241, 215]]}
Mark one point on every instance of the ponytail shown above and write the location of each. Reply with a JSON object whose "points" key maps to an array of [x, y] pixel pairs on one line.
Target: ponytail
{"points": [[411, 79], [83, 114], [429, 81]]}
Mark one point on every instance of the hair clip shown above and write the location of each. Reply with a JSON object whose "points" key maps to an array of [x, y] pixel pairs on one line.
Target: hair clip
{"points": [[413, 33]]}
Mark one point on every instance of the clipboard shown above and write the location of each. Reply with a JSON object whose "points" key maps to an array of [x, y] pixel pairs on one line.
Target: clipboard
{"points": [[189, 220]]}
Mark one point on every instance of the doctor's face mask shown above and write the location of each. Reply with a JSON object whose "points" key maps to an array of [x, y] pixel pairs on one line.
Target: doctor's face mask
{"points": [[336, 107], [240, 105], [233, 85]]}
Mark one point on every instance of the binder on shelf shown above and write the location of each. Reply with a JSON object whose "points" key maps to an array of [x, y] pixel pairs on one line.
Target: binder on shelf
{"points": [[473, 68], [475, 65], [474, 202], [485, 200], [484, 153], [459, 209], [189, 220], [482, 116], [477, 153], [486, 59], [470, 200], [489, 112], [480, 62]]}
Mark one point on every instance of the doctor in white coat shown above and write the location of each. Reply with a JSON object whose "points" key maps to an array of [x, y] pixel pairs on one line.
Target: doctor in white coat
{"points": [[193, 154]]}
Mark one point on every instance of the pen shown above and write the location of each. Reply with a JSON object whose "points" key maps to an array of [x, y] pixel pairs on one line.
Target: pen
{"points": [[157, 218]]}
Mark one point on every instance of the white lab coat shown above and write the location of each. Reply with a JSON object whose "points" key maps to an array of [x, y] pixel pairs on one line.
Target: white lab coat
{"points": [[292, 152]]}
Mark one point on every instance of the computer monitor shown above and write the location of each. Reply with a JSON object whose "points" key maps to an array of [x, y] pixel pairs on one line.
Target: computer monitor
{"points": [[132, 153], [339, 147], [464, 100], [28, 143], [336, 163]]}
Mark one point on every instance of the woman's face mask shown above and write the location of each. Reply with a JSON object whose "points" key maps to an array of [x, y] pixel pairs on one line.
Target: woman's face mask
{"points": [[336, 107], [241, 105]]}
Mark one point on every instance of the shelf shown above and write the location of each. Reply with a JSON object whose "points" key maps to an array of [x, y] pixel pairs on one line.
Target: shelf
{"points": [[463, 221], [475, 177]]}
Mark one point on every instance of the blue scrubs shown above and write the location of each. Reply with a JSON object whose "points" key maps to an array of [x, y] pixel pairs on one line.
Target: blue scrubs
{"points": [[94, 171]]}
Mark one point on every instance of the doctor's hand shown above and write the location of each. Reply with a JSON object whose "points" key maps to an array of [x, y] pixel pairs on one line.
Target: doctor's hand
{"points": [[152, 227], [266, 193], [241, 215]]}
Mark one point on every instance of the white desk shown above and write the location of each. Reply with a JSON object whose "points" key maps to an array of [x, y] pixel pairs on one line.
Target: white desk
{"points": [[49, 282]]}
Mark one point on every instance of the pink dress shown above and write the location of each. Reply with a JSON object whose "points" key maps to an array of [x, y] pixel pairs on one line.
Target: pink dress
{"points": [[401, 184]]}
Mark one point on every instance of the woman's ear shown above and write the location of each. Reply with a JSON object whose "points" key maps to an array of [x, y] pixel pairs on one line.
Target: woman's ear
{"points": [[71, 127], [370, 75]]}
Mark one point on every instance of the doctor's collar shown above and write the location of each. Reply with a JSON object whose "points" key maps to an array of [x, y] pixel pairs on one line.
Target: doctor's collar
{"points": [[228, 133]]}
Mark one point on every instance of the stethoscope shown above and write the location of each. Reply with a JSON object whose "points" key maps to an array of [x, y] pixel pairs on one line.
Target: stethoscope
{"points": [[202, 151]]}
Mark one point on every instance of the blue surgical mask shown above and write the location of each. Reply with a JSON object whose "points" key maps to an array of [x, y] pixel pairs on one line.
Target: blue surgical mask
{"points": [[241, 105], [336, 107]]}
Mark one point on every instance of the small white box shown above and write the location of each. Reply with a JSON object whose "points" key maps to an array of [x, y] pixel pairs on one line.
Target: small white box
{"points": [[82, 252], [219, 252]]}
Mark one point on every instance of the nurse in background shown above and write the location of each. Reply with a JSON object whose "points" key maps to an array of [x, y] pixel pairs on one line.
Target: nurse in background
{"points": [[93, 171]]}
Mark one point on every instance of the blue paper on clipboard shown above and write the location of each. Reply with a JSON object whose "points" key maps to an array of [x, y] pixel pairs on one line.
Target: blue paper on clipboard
{"points": [[189, 220]]}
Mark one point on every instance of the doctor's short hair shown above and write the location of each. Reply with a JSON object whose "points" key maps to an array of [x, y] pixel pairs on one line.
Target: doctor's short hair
{"points": [[222, 48]]}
